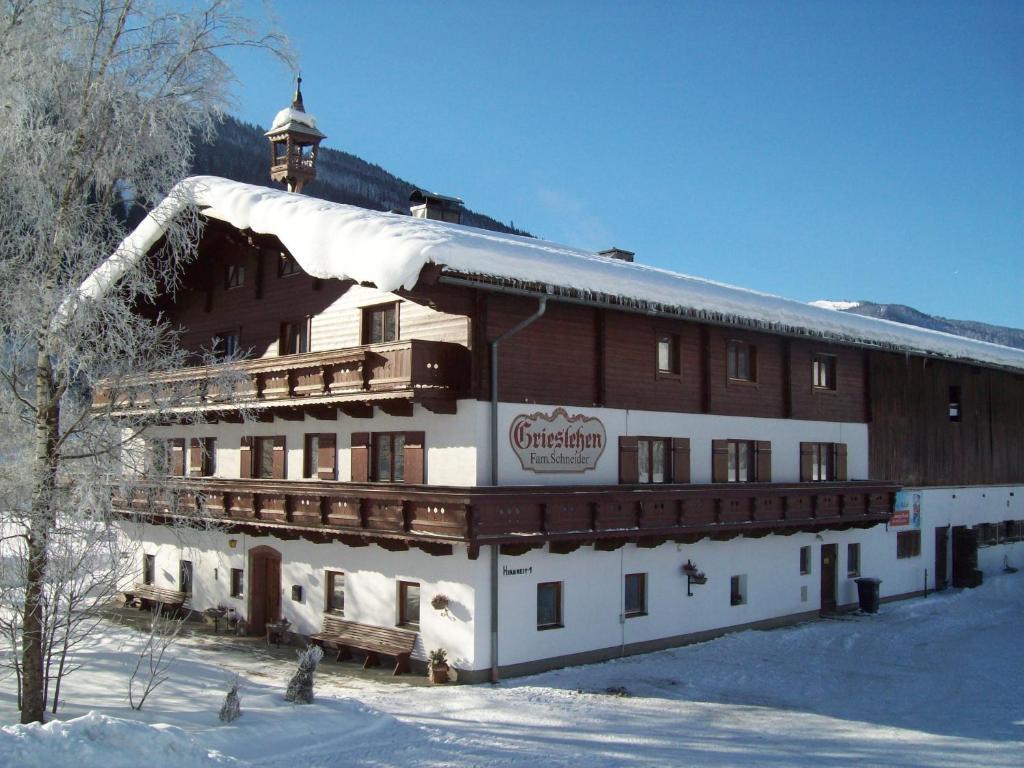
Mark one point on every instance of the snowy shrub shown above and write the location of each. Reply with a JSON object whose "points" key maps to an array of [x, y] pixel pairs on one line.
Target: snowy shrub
{"points": [[300, 687], [231, 709]]}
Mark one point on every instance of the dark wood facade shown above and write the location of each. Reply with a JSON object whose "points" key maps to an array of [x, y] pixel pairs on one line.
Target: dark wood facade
{"points": [[583, 355]]}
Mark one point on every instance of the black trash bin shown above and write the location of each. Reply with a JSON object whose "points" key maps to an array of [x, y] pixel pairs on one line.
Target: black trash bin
{"points": [[867, 593]]}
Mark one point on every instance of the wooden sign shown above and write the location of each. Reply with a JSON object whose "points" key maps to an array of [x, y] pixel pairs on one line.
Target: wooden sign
{"points": [[557, 442]]}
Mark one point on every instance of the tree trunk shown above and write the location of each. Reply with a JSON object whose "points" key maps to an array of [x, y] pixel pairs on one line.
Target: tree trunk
{"points": [[33, 701]]}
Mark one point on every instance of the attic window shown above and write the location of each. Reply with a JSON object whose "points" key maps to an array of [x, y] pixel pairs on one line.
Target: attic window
{"points": [[954, 404], [234, 277], [287, 265], [380, 323]]}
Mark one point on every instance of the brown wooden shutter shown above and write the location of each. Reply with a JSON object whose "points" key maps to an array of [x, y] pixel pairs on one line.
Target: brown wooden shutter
{"points": [[680, 459], [840, 454], [279, 457], [195, 456], [414, 457], [719, 461], [806, 462], [327, 456], [360, 454], [763, 452], [629, 461], [245, 458], [177, 457]]}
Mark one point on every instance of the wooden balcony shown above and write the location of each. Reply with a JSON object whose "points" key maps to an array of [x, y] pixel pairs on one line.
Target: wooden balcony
{"points": [[392, 376], [517, 518]]}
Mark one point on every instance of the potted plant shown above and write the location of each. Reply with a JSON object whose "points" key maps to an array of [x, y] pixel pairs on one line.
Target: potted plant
{"points": [[437, 663]]}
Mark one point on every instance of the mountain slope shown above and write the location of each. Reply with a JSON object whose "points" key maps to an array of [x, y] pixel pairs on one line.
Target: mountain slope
{"points": [[900, 313], [239, 151]]}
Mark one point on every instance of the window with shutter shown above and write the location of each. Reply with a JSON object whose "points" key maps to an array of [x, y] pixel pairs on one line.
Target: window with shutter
{"points": [[202, 457], [245, 458], [327, 456], [680, 459], [820, 462], [415, 458], [176, 466]]}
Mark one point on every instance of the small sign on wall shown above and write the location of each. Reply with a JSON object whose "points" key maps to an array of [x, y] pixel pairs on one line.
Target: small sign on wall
{"points": [[557, 442], [907, 511]]}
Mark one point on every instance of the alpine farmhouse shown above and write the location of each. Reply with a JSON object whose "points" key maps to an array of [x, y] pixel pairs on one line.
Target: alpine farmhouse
{"points": [[533, 456]]}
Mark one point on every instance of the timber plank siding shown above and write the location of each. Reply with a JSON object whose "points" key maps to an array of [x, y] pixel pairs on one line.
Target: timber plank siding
{"points": [[912, 438]]}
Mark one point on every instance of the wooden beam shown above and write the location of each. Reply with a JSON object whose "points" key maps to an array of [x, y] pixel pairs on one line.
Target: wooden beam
{"points": [[608, 545], [396, 407], [438, 405], [392, 545], [564, 547], [291, 414], [353, 541], [357, 410], [515, 550], [434, 548], [323, 412]]}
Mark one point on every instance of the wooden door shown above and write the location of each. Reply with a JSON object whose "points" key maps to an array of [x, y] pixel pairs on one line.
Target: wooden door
{"points": [[828, 578], [941, 563], [264, 588]]}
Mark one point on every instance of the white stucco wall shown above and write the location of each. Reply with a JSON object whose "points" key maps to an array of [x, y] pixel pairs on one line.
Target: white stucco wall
{"points": [[371, 582], [784, 434]]}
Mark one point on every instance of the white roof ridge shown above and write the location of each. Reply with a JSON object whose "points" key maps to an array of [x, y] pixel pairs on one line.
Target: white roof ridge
{"points": [[334, 240]]}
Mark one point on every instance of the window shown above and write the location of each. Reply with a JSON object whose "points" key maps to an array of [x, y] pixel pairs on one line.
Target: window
{"points": [[237, 582], [270, 458], [805, 560], [225, 345], [1012, 530], [294, 337], [738, 590], [202, 457], [823, 371], [319, 457], [653, 460], [668, 353], [185, 577], [822, 460], [636, 594], [549, 605], [908, 544], [954, 404], [742, 361], [408, 604], [380, 323], [741, 461], [335, 595], [234, 276], [148, 569], [287, 265], [853, 560], [389, 457]]}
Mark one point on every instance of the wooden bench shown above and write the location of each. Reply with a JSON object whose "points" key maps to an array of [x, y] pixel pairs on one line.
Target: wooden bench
{"points": [[146, 595], [346, 635]]}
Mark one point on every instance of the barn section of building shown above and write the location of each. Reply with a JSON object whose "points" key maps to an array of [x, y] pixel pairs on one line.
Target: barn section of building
{"points": [[658, 459]]}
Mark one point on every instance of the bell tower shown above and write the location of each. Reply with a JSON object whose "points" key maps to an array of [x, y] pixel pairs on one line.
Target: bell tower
{"points": [[294, 142]]}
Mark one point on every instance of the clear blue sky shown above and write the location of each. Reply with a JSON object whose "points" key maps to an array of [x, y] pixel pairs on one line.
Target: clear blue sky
{"points": [[820, 150]]}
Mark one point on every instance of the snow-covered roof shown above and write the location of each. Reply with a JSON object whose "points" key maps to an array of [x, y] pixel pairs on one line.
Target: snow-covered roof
{"points": [[292, 118], [331, 240]]}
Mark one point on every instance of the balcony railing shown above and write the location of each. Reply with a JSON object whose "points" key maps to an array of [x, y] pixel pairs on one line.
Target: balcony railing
{"points": [[431, 372], [521, 515]]}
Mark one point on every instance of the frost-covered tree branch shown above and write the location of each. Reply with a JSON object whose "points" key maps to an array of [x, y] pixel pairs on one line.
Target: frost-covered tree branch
{"points": [[101, 100]]}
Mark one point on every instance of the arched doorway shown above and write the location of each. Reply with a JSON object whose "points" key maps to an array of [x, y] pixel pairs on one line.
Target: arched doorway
{"points": [[264, 588]]}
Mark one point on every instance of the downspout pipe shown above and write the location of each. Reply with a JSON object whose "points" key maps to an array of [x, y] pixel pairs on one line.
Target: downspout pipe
{"points": [[495, 548]]}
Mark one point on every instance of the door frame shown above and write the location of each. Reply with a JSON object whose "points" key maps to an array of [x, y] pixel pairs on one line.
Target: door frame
{"points": [[259, 590], [829, 577], [942, 538]]}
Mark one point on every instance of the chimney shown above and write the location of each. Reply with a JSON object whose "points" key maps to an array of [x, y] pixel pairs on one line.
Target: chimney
{"points": [[430, 205], [617, 253]]}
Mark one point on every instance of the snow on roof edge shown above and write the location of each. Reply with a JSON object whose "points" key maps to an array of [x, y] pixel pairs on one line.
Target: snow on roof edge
{"points": [[332, 240]]}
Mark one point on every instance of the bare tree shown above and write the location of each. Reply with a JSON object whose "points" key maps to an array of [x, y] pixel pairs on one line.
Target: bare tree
{"points": [[100, 101], [152, 664]]}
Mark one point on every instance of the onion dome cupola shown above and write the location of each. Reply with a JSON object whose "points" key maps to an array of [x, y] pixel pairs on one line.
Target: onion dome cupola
{"points": [[294, 142]]}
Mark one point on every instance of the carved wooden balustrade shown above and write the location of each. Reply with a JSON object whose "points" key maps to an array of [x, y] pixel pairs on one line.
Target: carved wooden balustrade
{"points": [[432, 373], [516, 517]]}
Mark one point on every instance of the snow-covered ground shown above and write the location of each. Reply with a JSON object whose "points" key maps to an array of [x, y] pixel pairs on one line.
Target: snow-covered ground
{"points": [[930, 682]]}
